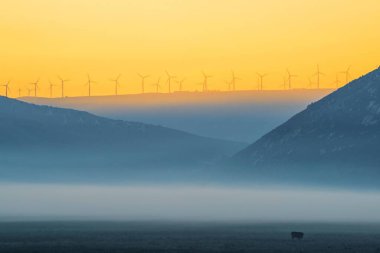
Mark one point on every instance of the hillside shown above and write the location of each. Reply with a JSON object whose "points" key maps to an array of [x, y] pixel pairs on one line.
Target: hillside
{"points": [[40, 140], [334, 140]]}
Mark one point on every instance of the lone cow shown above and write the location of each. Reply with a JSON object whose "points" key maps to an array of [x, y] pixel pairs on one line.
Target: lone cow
{"points": [[297, 235]]}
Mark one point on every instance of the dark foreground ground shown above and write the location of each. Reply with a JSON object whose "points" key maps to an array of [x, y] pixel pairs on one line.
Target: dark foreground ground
{"points": [[112, 237]]}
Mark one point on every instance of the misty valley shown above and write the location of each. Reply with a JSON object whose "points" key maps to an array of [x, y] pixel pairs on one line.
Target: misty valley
{"points": [[189, 126], [331, 143], [177, 218], [305, 180]]}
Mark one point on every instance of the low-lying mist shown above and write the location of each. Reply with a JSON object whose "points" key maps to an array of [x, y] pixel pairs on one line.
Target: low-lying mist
{"points": [[202, 203]]}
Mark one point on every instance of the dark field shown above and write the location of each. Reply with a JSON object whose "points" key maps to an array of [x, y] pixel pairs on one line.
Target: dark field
{"points": [[185, 237]]}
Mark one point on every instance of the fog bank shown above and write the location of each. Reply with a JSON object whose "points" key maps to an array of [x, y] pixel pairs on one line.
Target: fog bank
{"points": [[186, 203]]}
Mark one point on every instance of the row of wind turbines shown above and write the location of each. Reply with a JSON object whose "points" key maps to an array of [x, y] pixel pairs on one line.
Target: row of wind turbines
{"points": [[32, 90]]}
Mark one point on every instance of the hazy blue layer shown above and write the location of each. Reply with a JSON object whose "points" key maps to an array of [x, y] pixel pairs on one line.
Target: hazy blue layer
{"points": [[242, 116], [203, 203]]}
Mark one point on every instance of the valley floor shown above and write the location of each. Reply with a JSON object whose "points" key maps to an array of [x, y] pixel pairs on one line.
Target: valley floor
{"points": [[92, 237]]}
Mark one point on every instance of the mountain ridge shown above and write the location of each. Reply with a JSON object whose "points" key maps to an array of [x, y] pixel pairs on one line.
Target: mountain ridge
{"points": [[52, 142], [339, 134]]}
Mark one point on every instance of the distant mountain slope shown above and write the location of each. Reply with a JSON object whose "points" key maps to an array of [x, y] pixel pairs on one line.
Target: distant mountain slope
{"points": [[47, 138], [336, 138], [239, 115]]}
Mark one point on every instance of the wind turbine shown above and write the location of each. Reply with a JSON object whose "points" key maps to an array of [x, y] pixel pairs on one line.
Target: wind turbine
{"points": [[116, 80], [200, 84], [29, 91], [157, 84], [170, 78], [63, 85], [51, 85], [337, 81], [35, 84], [19, 92], [261, 79], [318, 74], [229, 85], [180, 83], [310, 83], [205, 81], [285, 82], [89, 83], [143, 82], [233, 80], [290, 76], [347, 74], [6, 86]]}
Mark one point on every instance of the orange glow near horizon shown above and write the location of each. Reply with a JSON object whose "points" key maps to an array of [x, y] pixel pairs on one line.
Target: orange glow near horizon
{"points": [[46, 38]]}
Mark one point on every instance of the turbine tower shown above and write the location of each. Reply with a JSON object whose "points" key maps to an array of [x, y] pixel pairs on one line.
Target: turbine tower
{"points": [[205, 81], [170, 78], [285, 82], [261, 80], [347, 74], [63, 85], [200, 84], [143, 77], [157, 85], [233, 80], [6, 86], [35, 85], [337, 81], [89, 84], [29, 91], [318, 75], [51, 85], [310, 83], [180, 84], [229, 85], [116, 81], [290, 77]]}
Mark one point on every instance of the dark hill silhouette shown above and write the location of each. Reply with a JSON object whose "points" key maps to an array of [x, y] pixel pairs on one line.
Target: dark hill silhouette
{"points": [[334, 140], [41, 139]]}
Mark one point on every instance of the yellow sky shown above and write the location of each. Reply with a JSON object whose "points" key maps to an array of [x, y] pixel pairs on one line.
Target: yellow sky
{"points": [[46, 38]]}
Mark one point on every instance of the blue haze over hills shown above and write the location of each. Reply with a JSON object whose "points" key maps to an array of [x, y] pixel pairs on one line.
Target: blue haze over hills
{"points": [[242, 116], [47, 143], [333, 142]]}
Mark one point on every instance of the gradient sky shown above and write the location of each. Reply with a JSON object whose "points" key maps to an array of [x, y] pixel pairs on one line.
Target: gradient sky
{"points": [[44, 38]]}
